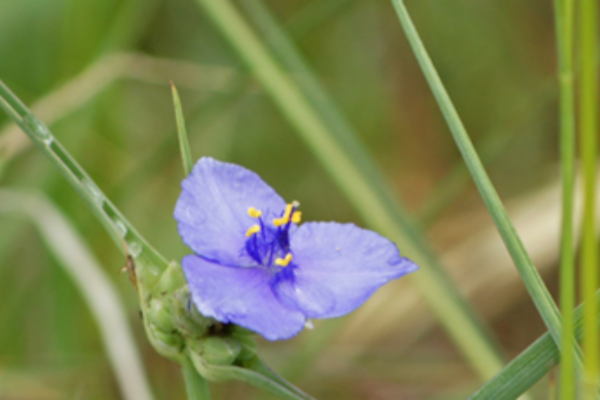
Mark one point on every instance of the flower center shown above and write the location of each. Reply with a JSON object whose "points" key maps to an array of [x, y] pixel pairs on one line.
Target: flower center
{"points": [[268, 243]]}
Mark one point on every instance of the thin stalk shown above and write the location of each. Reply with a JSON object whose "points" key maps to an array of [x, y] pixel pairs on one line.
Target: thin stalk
{"points": [[491, 147], [119, 228], [378, 208], [588, 122], [563, 10], [195, 385], [94, 285], [533, 282], [531, 365], [184, 144]]}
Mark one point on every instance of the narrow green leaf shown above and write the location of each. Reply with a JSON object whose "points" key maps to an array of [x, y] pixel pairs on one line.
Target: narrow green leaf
{"points": [[94, 285], [588, 123], [220, 373], [535, 286], [260, 367], [184, 144], [196, 386], [123, 233], [491, 147], [373, 201], [563, 11], [532, 364]]}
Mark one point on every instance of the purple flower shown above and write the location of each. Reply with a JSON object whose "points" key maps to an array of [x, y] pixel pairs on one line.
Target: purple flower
{"points": [[256, 267]]}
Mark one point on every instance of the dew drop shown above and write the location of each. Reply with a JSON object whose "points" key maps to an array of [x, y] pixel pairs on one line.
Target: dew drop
{"points": [[39, 129], [134, 249], [94, 191], [120, 227]]}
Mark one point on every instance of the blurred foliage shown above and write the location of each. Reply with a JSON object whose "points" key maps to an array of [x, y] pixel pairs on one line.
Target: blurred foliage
{"points": [[496, 58]]}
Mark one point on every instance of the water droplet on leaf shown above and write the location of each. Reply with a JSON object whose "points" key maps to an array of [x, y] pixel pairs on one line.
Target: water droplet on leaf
{"points": [[134, 249], [40, 130]]}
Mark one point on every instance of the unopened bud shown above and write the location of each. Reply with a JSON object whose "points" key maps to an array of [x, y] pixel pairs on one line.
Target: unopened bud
{"points": [[217, 350], [170, 280], [248, 345], [169, 344], [186, 317], [160, 315]]}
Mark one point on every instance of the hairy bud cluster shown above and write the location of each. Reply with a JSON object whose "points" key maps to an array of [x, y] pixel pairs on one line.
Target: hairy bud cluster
{"points": [[176, 329]]}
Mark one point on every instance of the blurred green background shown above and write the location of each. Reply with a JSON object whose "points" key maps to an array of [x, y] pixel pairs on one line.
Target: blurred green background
{"points": [[496, 59]]}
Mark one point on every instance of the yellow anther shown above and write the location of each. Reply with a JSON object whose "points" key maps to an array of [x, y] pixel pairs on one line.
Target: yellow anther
{"points": [[284, 262], [297, 217], [254, 213], [286, 216], [252, 230]]}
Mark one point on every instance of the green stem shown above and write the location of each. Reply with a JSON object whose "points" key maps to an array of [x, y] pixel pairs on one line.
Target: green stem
{"points": [[119, 228], [532, 364], [588, 122], [533, 282], [184, 144], [563, 10], [195, 385]]}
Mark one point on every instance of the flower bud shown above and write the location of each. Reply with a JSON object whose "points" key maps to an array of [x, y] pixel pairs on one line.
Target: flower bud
{"points": [[248, 347], [217, 350], [186, 317], [170, 280], [160, 315], [168, 344]]}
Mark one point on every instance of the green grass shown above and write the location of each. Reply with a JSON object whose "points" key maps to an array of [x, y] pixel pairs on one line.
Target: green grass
{"points": [[563, 10], [588, 126]]}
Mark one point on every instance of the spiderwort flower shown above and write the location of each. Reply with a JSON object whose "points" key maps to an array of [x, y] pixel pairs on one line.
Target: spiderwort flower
{"points": [[255, 266]]}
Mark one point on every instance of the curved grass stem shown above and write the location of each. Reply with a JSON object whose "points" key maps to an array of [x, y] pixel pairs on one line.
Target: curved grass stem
{"points": [[588, 123], [563, 11], [533, 282]]}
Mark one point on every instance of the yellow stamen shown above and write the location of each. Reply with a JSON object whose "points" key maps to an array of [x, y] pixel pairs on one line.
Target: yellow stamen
{"points": [[284, 262], [297, 217], [254, 213], [252, 230], [286, 216]]}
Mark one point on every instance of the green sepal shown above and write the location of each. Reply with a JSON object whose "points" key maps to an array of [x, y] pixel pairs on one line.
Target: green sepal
{"points": [[160, 315], [222, 373], [167, 344], [187, 318], [171, 279], [249, 347], [216, 350]]}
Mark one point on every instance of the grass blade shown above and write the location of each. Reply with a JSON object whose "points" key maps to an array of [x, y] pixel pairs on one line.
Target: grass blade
{"points": [[184, 144], [94, 286], [535, 286], [196, 386], [563, 11], [118, 227], [588, 123], [532, 364], [255, 377], [381, 211]]}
